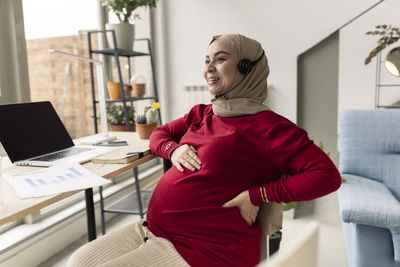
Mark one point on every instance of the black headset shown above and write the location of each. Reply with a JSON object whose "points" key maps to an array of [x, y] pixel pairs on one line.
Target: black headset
{"points": [[245, 65]]}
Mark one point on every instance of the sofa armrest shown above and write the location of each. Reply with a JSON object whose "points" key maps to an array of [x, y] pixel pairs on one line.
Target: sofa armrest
{"points": [[368, 202]]}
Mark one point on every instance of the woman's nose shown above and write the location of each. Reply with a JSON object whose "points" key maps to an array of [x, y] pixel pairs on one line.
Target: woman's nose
{"points": [[210, 67]]}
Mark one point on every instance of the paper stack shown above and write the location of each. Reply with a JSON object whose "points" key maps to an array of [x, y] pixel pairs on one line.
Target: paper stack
{"points": [[56, 179]]}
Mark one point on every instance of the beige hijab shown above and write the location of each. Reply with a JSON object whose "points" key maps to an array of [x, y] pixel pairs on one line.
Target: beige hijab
{"points": [[249, 91], [246, 98]]}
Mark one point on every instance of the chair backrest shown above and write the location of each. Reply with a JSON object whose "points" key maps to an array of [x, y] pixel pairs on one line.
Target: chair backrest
{"points": [[370, 145], [270, 216]]}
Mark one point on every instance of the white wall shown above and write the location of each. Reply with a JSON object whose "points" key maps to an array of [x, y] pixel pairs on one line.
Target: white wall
{"points": [[284, 28], [356, 81]]}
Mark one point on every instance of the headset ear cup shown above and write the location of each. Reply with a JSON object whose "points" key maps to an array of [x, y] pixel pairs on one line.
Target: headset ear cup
{"points": [[245, 66]]}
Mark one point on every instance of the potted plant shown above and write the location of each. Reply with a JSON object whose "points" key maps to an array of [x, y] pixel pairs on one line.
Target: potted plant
{"points": [[147, 122], [138, 82], [116, 117], [124, 10], [389, 35], [114, 92]]}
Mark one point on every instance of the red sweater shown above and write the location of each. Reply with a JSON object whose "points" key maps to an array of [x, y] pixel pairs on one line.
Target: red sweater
{"points": [[237, 154]]}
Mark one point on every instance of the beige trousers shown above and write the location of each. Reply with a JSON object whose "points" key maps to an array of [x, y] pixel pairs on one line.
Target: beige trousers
{"points": [[133, 245]]}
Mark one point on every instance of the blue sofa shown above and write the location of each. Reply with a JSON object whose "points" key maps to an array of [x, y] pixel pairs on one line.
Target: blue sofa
{"points": [[369, 199]]}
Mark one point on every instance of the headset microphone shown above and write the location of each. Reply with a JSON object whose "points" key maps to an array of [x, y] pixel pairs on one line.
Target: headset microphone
{"points": [[218, 96], [244, 66]]}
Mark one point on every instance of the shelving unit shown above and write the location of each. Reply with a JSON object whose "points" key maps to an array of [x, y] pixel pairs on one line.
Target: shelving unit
{"points": [[116, 54], [136, 202], [379, 84]]}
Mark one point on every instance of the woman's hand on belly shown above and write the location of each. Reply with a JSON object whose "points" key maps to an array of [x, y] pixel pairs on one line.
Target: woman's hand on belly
{"points": [[247, 210], [186, 155]]}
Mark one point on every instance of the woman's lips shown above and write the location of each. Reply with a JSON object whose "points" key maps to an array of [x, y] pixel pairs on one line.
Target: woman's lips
{"points": [[213, 80]]}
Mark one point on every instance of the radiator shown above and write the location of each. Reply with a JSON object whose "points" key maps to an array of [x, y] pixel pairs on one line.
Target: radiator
{"points": [[196, 94]]}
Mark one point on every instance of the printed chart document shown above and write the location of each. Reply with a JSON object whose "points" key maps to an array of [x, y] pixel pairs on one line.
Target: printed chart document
{"points": [[56, 179]]}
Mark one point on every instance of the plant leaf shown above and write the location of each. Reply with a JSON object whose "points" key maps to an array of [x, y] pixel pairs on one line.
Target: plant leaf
{"points": [[289, 206]]}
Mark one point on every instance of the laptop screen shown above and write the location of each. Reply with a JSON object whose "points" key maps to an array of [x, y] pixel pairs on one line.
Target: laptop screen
{"points": [[31, 129]]}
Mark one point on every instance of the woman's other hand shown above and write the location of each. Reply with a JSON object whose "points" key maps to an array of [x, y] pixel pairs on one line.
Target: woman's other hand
{"points": [[186, 155], [247, 210]]}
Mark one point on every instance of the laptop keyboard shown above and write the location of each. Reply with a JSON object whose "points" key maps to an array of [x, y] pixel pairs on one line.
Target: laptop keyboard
{"points": [[62, 154]]}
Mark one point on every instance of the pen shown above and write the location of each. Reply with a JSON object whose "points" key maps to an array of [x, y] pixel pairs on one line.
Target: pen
{"points": [[117, 142], [114, 143]]}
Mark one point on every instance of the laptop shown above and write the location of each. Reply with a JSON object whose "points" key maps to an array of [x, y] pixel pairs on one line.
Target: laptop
{"points": [[33, 134]]}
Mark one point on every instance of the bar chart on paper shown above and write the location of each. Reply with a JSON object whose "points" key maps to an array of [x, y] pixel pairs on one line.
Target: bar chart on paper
{"points": [[44, 180], [54, 180]]}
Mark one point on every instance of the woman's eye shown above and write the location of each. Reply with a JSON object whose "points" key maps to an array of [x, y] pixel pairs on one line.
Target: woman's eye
{"points": [[218, 59]]}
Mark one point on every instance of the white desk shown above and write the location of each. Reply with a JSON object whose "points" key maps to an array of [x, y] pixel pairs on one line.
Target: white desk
{"points": [[15, 208]]}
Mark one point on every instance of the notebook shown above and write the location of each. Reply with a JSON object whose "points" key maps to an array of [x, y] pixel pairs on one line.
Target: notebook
{"points": [[33, 134], [124, 155]]}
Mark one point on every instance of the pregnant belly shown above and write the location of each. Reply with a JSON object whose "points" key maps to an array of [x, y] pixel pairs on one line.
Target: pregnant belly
{"points": [[215, 234], [187, 210], [190, 190], [193, 205], [208, 230]]}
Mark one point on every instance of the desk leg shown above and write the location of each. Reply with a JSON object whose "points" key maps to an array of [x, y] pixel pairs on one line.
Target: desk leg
{"points": [[139, 197], [90, 217]]}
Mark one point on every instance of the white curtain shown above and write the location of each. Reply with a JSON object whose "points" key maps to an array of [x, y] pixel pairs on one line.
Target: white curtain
{"points": [[14, 78]]}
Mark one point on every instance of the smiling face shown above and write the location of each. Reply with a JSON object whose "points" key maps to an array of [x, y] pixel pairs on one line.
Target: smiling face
{"points": [[219, 69]]}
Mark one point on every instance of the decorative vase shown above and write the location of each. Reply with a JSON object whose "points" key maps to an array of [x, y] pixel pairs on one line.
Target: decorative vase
{"points": [[114, 90], [128, 90], [124, 35], [121, 127], [138, 82], [139, 89], [145, 130]]}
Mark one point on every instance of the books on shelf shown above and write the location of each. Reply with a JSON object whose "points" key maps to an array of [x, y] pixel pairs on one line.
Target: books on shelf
{"points": [[120, 156]]}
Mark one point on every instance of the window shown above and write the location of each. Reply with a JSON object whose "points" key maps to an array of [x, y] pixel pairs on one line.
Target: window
{"points": [[62, 24]]}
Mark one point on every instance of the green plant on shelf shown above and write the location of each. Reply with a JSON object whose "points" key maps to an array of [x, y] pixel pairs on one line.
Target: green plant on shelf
{"points": [[149, 115], [116, 115]]}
